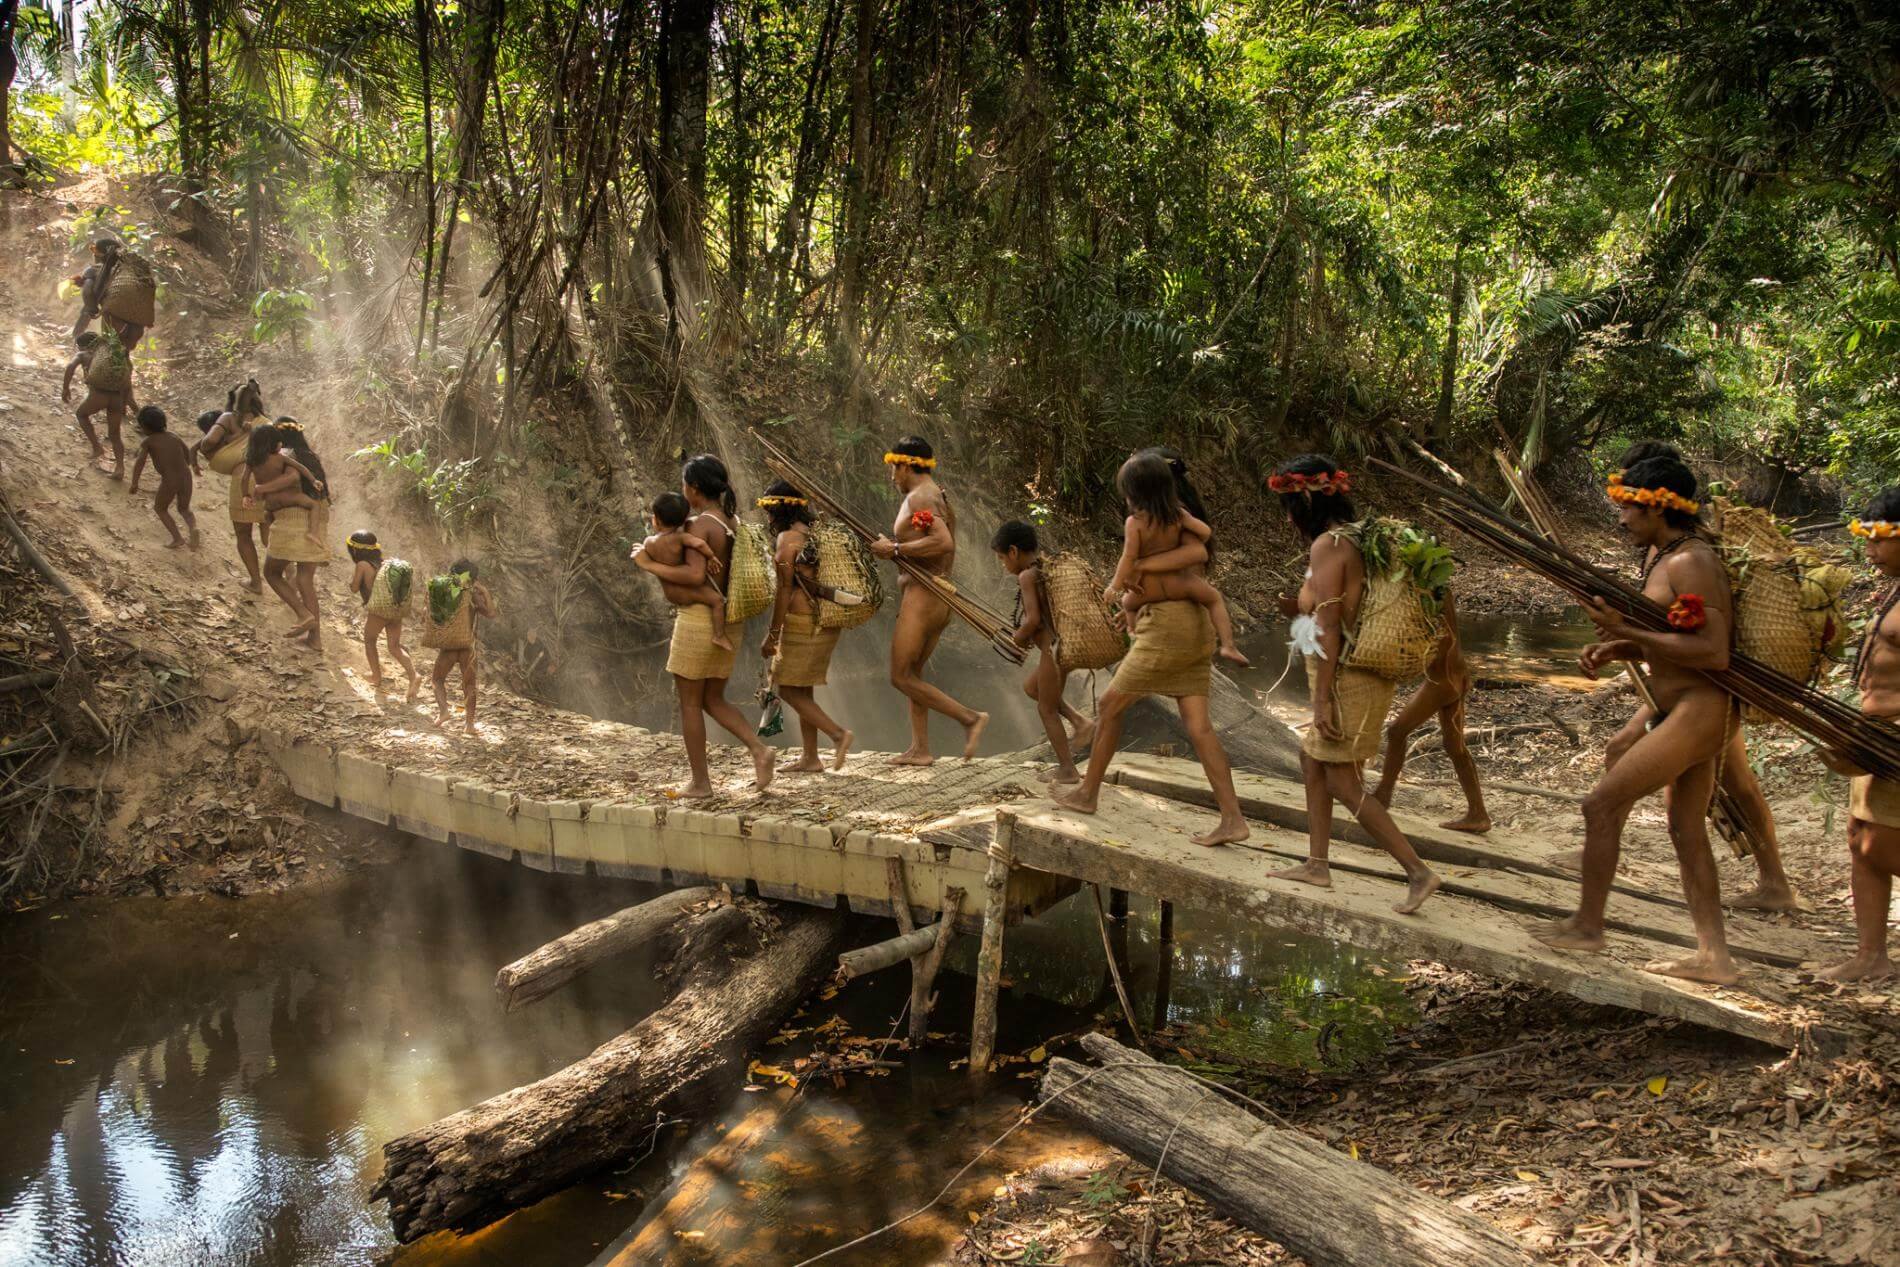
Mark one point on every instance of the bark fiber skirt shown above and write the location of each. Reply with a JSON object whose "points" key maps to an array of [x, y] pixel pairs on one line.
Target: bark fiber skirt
{"points": [[1874, 801], [290, 538], [1361, 700], [240, 513], [804, 651], [1173, 652], [692, 655]]}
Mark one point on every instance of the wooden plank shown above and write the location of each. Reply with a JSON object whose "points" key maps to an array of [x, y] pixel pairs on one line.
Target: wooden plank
{"points": [[1282, 803], [1131, 846]]}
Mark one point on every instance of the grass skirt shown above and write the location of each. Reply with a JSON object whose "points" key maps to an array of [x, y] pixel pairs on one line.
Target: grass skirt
{"points": [[1173, 652], [1361, 700], [804, 651], [290, 538], [1875, 801], [692, 655], [240, 513]]}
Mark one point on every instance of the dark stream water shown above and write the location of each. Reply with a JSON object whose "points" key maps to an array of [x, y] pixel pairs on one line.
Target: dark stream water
{"points": [[204, 1081]]}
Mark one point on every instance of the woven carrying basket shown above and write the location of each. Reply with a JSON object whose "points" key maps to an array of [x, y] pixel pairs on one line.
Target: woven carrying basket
{"points": [[110, 369], [1770, 625], [131, 291], [1396, 635], [752, 585], [844, 563], [457, 633], [1085, 636]]}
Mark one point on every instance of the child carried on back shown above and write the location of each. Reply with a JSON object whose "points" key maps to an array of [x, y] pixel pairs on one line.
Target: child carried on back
{"points": [[1157, 523], [291, 476], [668, 545]]}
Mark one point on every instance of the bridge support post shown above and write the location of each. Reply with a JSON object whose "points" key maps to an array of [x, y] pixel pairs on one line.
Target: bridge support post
{"points": [[1118, 904], [989, 957], [923, 969]]}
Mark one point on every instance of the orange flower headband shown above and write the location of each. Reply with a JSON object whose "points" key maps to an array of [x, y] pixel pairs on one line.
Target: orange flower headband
{"points": [[1654, 498], [910, 459], [1874, 528], [766, 503], [1333, 484]]}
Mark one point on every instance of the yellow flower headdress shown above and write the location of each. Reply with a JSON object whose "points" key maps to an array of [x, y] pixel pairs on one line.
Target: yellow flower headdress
{"points": [[766, 503], [1654, 498], [910, 459], [1873, 528], [372, 546]]}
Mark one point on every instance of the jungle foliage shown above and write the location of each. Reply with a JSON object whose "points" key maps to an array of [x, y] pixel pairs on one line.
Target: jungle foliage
{"points": [[1075, 224]]}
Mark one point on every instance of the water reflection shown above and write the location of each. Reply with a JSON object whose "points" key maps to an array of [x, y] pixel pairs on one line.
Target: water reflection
{"points": [[196, 1081]]}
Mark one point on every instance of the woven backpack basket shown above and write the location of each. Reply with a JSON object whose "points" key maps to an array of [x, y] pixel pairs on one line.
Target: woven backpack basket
{"points": [[1772, 622], [753, 584], [110, 369], [1396, 635], [844, 563], [131, 291], [457, 633], [1085, 636]]}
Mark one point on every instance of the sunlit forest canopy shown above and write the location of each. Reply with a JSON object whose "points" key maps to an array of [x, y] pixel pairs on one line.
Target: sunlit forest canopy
{"points": [[1077, 224]]}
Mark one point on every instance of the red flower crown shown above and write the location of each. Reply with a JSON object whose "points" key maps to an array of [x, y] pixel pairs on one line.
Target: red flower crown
{"points": [[1331, 484]]}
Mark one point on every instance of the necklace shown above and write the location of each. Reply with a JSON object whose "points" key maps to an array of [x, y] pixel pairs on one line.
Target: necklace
{"points": [[1664, 551]]}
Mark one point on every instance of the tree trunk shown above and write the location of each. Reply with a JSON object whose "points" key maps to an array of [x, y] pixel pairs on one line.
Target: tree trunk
{"points": [[1448, 362], [857, 194], [486, 36], [9, 67], [739, 187], [540, 973], [1316, 1201], [470, 1169], [679, 176], [423, 15]]}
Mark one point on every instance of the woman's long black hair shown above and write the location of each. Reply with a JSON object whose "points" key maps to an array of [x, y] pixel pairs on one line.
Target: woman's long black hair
{"points": [[290, 435], [706, 475], [1184, 490], [1314, 513], [783, 517]]}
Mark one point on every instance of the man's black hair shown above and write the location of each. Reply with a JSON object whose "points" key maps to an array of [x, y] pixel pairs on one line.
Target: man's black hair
{"points": [[1669, 473], [1018, 533], [1643, 450]]}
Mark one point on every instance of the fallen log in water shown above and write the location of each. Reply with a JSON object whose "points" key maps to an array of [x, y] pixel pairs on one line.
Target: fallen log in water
{"points": [[471, 1168], [1319, 1203], [540, 973]]}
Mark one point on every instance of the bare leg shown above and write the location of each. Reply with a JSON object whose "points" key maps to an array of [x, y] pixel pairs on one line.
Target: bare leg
{"points": [[1690, 735], [1620, 744], [1044, 685], [471, 681], [1772, 892], [764, 762], [274, 570], [1689, 832], [191, 520], [393, 637], [1108, 733], [438, 678], [813, 721], [1319, 829], [115, 420], [92, 437], [161, 501], [247, 553], [1349, 789], [1875, 852], [1424, 702], [1232, 826], [718, 606], [692, 697], [307, 592], [921, 617], [1451, 720], [1198, 589], [372, 627]]}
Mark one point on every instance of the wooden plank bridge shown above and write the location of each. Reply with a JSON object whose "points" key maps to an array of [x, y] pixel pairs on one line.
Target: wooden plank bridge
{"points": [[879, 837]]}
